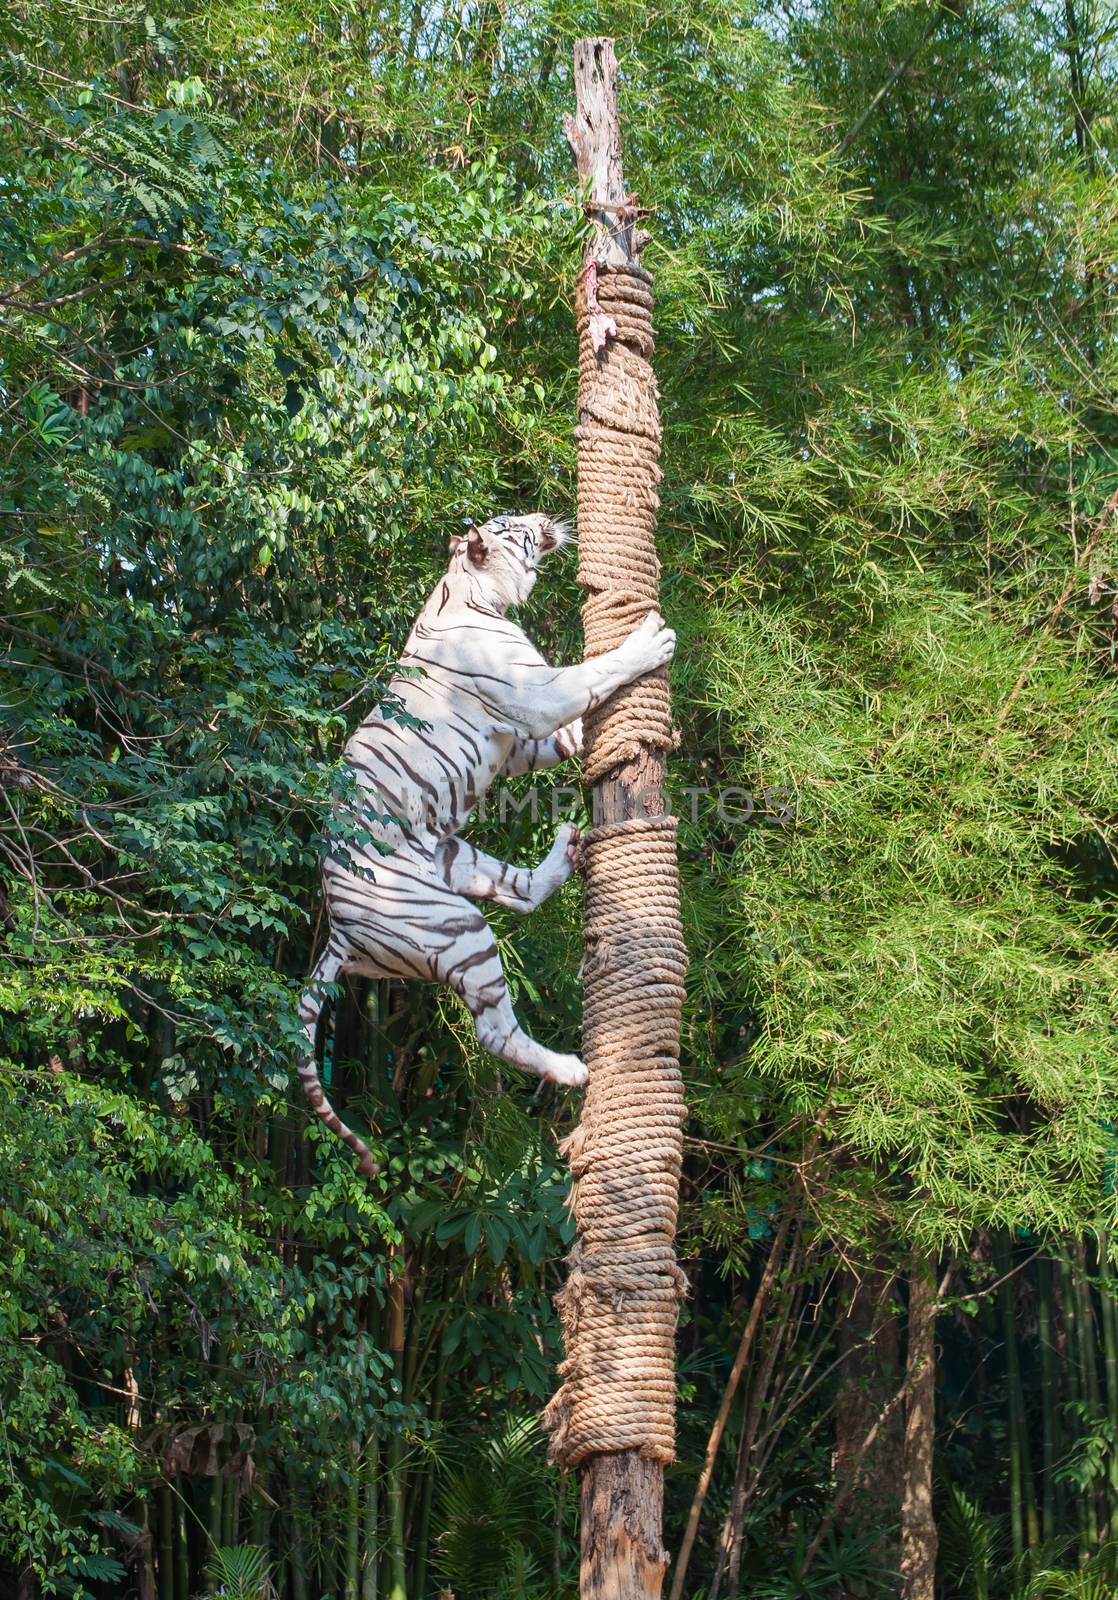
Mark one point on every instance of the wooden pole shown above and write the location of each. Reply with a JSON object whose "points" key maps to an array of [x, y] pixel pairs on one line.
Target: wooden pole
{"points": [[613, 1417]]}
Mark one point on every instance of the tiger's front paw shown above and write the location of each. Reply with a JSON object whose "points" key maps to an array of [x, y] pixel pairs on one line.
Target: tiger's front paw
{"points": [[567, 1070], [651, 645]]}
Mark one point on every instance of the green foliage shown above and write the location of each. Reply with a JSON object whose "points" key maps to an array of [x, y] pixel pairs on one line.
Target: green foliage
{"points": [[240, 1573], [843, 1566], [131, 1256], [1095, 1581], [286, 298], [916, 1016], [497, 1519], [970, 1541]]}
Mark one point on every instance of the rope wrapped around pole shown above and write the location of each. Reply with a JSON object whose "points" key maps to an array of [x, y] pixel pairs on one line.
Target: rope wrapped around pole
{"points": [[620, 1302], [614, 1412], [618, 436]]}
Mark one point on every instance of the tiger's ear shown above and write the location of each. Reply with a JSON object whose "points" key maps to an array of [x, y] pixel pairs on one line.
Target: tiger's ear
{"points": [[455, 541], [475, 547]]}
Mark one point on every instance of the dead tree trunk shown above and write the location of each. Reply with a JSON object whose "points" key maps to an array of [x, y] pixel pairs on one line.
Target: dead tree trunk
{"points": [[614, 1414]]}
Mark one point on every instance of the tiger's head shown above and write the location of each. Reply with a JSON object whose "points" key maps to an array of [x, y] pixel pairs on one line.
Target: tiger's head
{"points": [[505, 552]]}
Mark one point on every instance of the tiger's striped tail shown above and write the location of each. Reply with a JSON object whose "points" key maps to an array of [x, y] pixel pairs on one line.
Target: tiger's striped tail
{"points": [[310, 1008]]}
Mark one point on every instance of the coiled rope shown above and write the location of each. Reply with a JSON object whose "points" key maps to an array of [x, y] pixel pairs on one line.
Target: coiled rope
{"points": [[620, 1303], [618, 437]]}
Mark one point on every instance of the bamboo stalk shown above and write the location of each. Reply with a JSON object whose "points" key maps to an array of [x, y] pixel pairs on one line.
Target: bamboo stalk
{"points": [[297, 1557], [370, 1554], [397, 1558], [423, 1521], [1089, 1366], [182, 1552], [397, 1561], [217, 1502], [1108, 1290], [261, 1514], [1049, 1401], [229, 1514], [1084, 1501], [143, 1554], [166, 1506], [1015, 1399], [353, 1528]]}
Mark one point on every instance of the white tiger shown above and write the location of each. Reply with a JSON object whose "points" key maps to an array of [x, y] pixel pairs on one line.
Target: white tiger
{"points": [[489, 704]]}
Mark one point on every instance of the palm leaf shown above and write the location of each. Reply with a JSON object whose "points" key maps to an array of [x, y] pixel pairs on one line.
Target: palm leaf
{"points": [[240, 1572]]}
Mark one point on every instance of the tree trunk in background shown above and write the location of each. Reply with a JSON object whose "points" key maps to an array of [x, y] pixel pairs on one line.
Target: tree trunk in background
{"points": [[919, 1537], [869, 1345]]}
